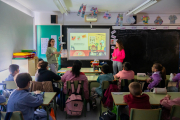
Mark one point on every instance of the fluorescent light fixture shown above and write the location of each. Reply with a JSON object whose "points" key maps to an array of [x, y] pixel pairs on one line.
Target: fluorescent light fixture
{"points": [[141, 7], [61, 6]]}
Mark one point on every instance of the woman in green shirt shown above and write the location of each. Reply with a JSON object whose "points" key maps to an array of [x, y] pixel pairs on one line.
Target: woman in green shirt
{"points": [[52, 56]]}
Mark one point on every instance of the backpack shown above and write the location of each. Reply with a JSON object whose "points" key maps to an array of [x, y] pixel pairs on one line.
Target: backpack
{"points": [[74, 104], [109, 101]]}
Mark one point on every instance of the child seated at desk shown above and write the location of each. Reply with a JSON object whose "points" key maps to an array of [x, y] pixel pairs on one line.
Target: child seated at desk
{"points": [[21, 100], [177, 79], [167, 104], [38, 67], [47, 75], [105, 76], [76, 75], [126, 73], [136, 99], [158, 75], [13, 69]]}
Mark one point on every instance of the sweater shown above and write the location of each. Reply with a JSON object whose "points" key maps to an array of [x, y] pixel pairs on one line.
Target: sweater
{"points": [[141, 102], [101, 78], [124, 75], [167, 104], [22, 100], [177, 79], [47, 75], [120, 55], [54, 58], [10, 78], [156, 76], [68, 76]]}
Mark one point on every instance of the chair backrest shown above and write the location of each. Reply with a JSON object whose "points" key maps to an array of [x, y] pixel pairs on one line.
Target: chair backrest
{"points": [[175, 112], [10, 85], [68, 83], [17, 115], [145, 114], [105, 85], [45, 86], [123, 82]]}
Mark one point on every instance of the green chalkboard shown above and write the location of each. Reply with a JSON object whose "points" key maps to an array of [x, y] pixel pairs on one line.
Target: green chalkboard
{"points": [[45, 31]]}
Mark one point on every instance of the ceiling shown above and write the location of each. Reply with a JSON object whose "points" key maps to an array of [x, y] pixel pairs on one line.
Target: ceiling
{"points": [[162, 6]]}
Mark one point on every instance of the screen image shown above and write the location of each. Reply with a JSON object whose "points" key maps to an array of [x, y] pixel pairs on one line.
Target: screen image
{"points": [[88, 44]]}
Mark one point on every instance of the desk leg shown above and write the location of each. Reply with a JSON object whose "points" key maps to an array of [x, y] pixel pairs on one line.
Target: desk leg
{"points": [[55, 106], [47, 110], [117, 116]]}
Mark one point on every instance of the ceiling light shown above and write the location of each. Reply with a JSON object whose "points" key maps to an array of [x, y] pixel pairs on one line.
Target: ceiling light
{"points": [[141, 7], [61, 6]]}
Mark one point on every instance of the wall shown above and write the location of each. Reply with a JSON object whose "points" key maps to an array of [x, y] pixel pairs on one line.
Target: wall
{"points": [[72, 19], [16, 31]]}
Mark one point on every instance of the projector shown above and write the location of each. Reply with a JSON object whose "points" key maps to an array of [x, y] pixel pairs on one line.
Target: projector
{"points": [[89, 18]]}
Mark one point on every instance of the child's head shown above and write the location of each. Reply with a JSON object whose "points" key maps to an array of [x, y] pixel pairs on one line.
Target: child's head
{"points": [[76, 68], [14, 69], [119, 45], [127, 66], [38, 65], [43, 64], [23, 80], [51, 42], [135, 88], [157, 67], [105, 69]]}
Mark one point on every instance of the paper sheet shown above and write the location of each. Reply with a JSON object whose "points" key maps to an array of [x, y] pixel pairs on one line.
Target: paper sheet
{"points": [[55, 39], [64, 53], [61, 70], [44, 45]]}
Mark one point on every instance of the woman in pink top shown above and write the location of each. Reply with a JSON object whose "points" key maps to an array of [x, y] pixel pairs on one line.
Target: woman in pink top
{"points": [[118, 56], [126, 73], [75, 75]]}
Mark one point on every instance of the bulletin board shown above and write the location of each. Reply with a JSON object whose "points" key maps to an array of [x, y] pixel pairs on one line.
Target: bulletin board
{"points": [[44, 33]]}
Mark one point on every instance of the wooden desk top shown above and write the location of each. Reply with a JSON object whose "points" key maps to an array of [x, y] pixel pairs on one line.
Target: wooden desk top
{"points": [[48, 97], [84, 70], [154, 98]]}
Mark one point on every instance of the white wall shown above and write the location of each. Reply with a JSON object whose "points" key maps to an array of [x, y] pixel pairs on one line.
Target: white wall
{"points": [[43, 18]]}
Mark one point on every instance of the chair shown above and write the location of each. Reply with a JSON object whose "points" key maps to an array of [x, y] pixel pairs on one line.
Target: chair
{"points": [[105, 85], [175, 112], [9, 85], [125, 83], [45, 86], [68, 83], [145, 114], [17, 115]]}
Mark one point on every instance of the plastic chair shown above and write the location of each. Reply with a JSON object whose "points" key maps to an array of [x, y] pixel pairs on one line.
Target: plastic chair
{"points": [[105, 85], [145, 114], [175, 112], [17, 115], [125, 83], [81, 91], [9, 85]]}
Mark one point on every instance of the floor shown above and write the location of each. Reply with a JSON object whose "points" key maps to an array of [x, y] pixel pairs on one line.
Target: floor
{"points": [[91, 115]]}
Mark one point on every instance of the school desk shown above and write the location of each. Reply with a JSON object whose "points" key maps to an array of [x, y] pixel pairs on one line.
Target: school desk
{"points": [[48, 97], [154, 98], [84, 70]]}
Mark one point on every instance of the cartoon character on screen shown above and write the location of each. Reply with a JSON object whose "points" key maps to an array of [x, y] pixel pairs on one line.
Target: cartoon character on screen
{"points": [[72, 47], [145, 19], [93, 50]]}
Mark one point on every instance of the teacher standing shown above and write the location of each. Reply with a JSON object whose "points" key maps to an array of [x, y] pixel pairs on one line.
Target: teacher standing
{"points": [[52, 56], [118, 57]]}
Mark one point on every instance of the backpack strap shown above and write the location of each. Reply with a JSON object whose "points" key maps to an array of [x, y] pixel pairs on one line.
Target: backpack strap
{"points": [[72, 86], [79, 87]]}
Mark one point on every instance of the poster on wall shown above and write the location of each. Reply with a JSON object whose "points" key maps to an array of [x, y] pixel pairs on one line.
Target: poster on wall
{"points": [[113, 41], [64, 53], [44, 45], [55, 39]]}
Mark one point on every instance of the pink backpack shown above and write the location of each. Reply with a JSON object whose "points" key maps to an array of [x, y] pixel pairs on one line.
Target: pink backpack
{"points": [[74, 104]]}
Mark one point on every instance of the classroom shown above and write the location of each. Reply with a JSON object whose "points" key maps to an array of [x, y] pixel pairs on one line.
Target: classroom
{"points": [[85, 60]]}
